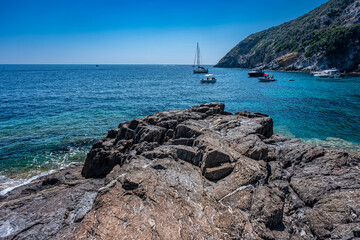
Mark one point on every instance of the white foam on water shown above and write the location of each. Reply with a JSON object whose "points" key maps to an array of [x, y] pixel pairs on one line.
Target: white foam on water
{"points": [[15, 183], [54, 161]]}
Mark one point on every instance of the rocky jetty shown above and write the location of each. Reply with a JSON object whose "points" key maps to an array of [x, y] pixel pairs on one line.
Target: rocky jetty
{"points": [[327, 37], [198, 173]]}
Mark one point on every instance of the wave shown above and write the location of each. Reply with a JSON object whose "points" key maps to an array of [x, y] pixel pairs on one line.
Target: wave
{"points": [[54, 161], [11, 184]]}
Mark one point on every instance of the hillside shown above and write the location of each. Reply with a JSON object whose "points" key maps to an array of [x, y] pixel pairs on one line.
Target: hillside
{"points": [[328, 36]]}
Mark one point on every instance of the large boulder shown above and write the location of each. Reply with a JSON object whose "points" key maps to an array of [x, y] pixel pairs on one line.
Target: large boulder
{"points": [[197, 173]]}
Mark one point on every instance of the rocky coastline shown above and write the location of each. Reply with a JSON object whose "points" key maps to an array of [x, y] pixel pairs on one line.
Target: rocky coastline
{"points": [[197, 173], [326, 37]]}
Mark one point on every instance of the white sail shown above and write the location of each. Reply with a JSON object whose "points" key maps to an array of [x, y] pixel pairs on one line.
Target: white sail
{"points": [[197, 60], [199, 68]]}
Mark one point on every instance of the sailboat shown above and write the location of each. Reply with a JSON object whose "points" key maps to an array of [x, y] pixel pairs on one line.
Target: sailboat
{"points": [[199, 69]]}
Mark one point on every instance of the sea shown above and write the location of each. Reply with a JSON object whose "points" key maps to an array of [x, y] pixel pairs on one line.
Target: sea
{"points": [[50, 115]]}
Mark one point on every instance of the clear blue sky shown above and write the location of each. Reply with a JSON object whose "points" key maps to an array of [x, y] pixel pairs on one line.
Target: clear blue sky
{"points": [[137, 31]]}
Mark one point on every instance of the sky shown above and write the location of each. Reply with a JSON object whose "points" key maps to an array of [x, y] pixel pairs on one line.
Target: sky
{"points": [[134, 31]]}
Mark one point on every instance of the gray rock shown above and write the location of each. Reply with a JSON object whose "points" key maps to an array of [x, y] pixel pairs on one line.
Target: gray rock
{"points": [[197, 173], [45, 207]]}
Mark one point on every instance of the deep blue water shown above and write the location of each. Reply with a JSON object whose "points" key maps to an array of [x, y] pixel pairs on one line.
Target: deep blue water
{"points": [[51, 114]]}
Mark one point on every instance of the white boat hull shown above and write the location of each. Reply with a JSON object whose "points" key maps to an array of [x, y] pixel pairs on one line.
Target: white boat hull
{"points": [[327, 76]]}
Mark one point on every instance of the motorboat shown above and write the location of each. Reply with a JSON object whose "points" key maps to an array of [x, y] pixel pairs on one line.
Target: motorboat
{"points": [[256, 73], [329, 74], [209, 79], [199, 68], [267, 78], [327, 71]]}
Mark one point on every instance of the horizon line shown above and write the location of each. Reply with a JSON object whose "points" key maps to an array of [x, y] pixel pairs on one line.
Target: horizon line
{"points": [[184, 64]]}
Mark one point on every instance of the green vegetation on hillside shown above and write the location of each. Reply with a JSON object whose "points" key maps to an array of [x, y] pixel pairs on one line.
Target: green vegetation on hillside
{"points": [[332, 40], [326, 31], [319, 30]]}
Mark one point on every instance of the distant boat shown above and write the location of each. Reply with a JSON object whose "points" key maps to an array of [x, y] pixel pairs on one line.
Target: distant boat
{"points": [[256, 73], [97, 65], [328, 74], [267, 78], [208, 79], [199, 69]]}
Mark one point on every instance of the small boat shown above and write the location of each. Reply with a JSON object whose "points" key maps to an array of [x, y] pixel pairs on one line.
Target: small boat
{"points": [[97, 65], [291, 80], [256, 73], [328, 74], [267, 78], [208, 79], [199, 69]]}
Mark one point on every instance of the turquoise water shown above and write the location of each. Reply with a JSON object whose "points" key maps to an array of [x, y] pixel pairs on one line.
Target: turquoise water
{"points": [[51, 114]]}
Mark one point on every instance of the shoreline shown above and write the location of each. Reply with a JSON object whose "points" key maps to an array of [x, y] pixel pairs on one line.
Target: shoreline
{"points": [[289, 71]]}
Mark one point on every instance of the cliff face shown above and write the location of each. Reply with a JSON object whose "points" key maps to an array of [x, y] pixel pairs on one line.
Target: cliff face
{"points": [[328, 36], [197, 173]]}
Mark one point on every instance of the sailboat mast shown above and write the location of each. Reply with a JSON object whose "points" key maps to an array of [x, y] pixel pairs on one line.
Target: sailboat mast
{"points": [[195, 58], [198, 54]]}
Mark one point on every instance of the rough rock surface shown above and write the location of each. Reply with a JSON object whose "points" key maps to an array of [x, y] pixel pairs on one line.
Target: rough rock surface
{"points": [[49, 207], [198, 173]]}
